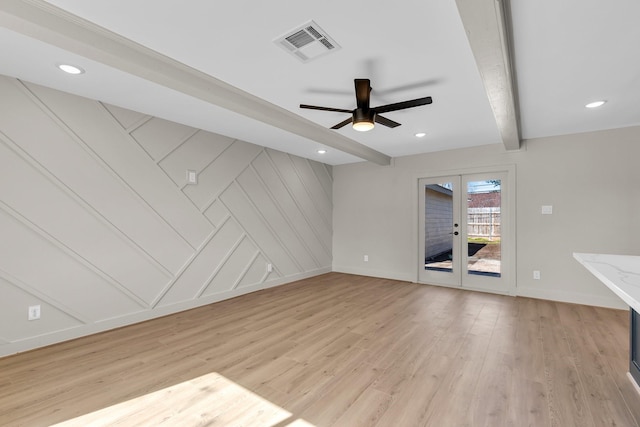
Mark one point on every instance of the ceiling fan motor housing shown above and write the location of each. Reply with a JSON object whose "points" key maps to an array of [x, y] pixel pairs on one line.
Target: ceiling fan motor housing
{"points": [[363, 115]]}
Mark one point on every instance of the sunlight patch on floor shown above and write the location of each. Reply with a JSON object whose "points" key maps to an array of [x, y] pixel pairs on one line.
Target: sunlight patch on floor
{"points": [[211, 400]]}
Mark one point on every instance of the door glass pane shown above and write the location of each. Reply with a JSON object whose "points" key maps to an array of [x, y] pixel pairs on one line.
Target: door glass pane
{"points": [[438, 226], [483, 227]]}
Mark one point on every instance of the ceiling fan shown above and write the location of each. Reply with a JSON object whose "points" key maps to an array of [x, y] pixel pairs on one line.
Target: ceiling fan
{"points": [[363, 117]]}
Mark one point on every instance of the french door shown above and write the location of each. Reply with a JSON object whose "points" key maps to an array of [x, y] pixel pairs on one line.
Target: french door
{"points": [[464, 228]]}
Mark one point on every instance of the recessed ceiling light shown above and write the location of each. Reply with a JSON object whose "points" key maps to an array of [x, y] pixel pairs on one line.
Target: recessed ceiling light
{"points": [[421, 135], [322, 151], [595, 104], [71, 69]]}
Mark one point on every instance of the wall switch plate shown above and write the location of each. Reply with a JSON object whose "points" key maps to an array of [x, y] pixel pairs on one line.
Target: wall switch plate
{"points": [[34, 312], [366, 258], [192, 177], [547, 210], [269, 268], [536, 274]]}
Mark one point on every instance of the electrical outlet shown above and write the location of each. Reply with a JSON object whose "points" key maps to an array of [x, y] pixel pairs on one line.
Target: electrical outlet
{"points": [[366, 258], [536, 274], [34, 312], [269, 268]]}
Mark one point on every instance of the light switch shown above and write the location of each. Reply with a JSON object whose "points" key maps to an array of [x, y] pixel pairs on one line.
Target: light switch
{"points": [[192, 177], [547, 210]]}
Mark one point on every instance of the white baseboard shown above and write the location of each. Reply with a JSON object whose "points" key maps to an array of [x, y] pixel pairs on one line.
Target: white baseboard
{"points": [[573, 297], [32, 343], [393, 275]]}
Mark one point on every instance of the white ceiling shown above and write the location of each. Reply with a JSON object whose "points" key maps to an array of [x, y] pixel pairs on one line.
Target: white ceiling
{"points": [[566, 54]]}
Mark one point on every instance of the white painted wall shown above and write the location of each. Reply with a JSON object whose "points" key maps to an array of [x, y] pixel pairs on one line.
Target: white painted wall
{"points": [[99, 226], [592, 180]]}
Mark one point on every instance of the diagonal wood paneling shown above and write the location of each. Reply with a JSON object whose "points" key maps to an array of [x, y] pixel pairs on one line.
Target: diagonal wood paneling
{"points": [[37, 262], [291, 206], [102, 228], [160, 137], [129, 120], [220, 173], [58, 215], [196, 153], [234, 269], [205, 265], [161, 204], [275, 219], [66, 159], [249, 218], [21, 299]]}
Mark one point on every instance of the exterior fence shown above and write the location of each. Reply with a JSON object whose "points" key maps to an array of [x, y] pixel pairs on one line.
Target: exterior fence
{"points": [[484, 222]]}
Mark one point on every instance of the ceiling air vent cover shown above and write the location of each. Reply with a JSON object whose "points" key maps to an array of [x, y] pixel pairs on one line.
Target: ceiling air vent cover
{"points": [[307, 41]]}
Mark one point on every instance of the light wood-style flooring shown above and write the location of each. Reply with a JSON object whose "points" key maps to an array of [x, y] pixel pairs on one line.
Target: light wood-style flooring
{"points": [[338, 350]]}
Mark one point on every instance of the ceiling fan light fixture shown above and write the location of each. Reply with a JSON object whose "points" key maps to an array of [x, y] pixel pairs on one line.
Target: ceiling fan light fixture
{"points": [[363, 125], [363, 119]]}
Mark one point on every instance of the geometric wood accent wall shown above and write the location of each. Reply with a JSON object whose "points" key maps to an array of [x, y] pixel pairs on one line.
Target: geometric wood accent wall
{"points": [[99, 226]]}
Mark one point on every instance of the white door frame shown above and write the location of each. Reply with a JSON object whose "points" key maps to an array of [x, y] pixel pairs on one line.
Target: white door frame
{"points": [[509, 255]]}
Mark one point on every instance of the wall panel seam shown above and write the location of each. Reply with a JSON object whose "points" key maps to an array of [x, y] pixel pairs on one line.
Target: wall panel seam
{"points": [[138, 196], [268, 226], [252, 240], [246, 270], [139, 123], [221, 264], [295, 200], [282, 212], [217, 195], [187, 264], [329, 196], [43, 234], [202, 170], [326, 220], [100, 161], [25, 287], [184, 141], [82, 203]]}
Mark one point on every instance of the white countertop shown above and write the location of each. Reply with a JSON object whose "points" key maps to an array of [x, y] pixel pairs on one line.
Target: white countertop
{"points": [[620, 273]]}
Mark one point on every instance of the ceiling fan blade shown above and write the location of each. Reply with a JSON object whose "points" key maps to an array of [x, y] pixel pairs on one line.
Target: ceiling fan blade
{"points": [[342, 124], [363, 92], [403, 105], [315, 107], [386, 122]]}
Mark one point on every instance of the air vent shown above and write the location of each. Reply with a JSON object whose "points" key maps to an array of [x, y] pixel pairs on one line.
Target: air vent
{"points": [[300, 39], [307, 42]]}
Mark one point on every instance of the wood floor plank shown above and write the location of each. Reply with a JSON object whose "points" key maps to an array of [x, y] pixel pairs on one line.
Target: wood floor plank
{"points": [[338, 350], [605, 401], [565, 392]]}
